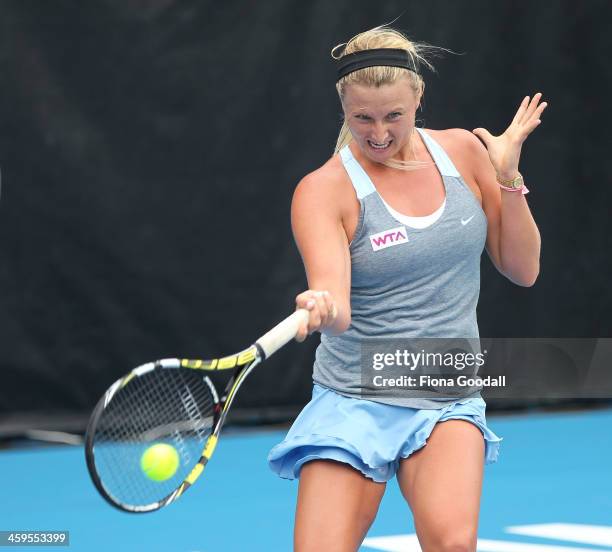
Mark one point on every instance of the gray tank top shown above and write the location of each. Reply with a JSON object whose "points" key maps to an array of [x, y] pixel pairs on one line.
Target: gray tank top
{"points": [[407, 282]]}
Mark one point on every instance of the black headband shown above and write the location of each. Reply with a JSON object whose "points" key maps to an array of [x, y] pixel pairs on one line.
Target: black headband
{"points": [[390, 57]]}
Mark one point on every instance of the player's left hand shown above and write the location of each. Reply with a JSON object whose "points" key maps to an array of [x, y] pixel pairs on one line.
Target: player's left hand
{"points": [[505, 150]]}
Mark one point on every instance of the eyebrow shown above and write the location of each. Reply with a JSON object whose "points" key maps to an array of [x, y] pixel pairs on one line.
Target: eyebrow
{"points": [[362, 109]]}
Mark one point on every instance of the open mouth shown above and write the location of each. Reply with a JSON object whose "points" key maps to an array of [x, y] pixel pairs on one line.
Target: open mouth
{"points": [[379, 147]]}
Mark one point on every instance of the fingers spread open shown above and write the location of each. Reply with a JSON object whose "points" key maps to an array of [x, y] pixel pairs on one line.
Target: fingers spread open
{"points": [[521, 110]]}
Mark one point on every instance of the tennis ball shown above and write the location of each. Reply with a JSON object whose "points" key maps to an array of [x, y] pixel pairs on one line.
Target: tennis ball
{"points": [[159, 462]]}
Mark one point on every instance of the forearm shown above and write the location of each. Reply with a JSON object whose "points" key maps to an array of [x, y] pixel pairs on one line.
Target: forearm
{"points": [[519, 240], [341, 322]]}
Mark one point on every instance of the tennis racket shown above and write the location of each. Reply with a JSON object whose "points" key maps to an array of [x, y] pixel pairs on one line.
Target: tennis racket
{"points": [[174, 402]]}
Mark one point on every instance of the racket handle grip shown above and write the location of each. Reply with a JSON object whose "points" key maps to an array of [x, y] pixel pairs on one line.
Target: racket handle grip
{"points": [[283, 332]]}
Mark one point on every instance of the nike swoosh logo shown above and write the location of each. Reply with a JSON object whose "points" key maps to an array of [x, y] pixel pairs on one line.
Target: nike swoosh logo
{"points": [[464, 222]]}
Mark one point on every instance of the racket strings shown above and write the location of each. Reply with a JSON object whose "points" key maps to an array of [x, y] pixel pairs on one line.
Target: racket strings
{"points": [[172, 406]]}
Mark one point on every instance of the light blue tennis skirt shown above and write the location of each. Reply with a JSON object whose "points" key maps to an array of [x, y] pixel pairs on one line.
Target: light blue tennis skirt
{"points": [[372, 437]]}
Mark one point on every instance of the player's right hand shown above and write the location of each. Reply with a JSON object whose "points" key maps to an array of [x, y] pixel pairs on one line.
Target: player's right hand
{"points": [[321, 308]]}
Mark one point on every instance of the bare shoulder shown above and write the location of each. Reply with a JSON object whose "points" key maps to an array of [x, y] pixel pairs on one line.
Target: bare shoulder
{"points": [[458, 141], [466, 152], [329, 185], [327, 177]]}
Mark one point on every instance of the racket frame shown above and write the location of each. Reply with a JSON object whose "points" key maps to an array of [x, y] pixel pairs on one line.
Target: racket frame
{"points": [[242, 363]]}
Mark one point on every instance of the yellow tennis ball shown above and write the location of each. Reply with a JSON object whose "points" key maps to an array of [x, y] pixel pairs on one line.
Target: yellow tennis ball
{"points": [[159, 462]]}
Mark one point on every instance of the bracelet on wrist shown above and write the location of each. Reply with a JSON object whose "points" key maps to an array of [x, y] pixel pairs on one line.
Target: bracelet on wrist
{"points": [[515, 184]]}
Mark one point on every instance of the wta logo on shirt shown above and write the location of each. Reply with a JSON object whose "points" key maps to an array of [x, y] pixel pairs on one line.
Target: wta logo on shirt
{"points": [[389, 238]]}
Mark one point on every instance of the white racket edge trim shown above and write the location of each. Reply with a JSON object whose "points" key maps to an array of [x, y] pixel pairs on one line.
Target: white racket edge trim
{"points": [[283, 332]]}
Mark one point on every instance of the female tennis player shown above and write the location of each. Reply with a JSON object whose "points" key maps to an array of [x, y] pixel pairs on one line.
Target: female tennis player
{"points": [[391, 230]]}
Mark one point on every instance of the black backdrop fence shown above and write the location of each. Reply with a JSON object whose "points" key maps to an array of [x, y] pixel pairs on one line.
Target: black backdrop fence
{"points": [[150, 148]]}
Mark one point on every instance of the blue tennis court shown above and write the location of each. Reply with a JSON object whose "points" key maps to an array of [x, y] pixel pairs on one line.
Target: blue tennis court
{"points": [[551, 491]]}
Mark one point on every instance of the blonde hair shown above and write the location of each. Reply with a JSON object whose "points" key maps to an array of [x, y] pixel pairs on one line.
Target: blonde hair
{"points": [[384, 37]]}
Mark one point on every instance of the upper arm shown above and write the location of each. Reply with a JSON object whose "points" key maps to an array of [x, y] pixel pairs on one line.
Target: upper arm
{"points": [[316, 220], [484, 175]]}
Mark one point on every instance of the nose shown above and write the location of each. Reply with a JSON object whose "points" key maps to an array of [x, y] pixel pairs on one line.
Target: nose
{"points": [[379, 132]]}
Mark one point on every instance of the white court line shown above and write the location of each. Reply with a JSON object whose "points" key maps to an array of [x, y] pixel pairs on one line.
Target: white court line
{"points": [[574, 532], [395, 543], [410, 543], [485, 545]]}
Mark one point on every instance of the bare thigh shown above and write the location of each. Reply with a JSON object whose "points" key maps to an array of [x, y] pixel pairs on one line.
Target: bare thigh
{"points": [[442, 483], [336, 506]]}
